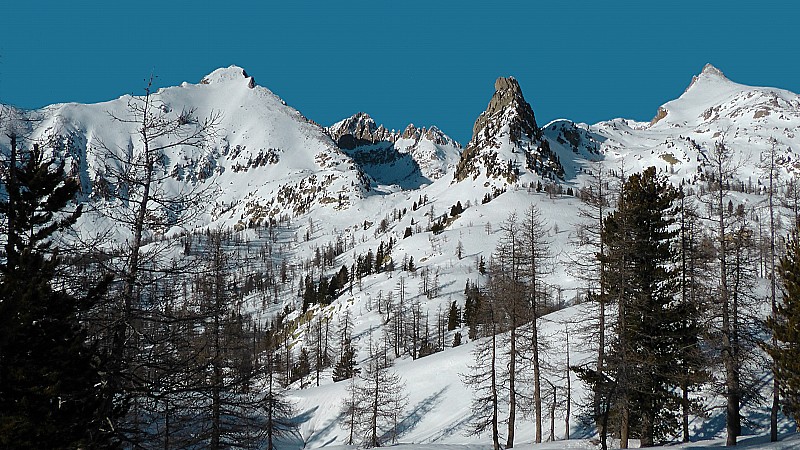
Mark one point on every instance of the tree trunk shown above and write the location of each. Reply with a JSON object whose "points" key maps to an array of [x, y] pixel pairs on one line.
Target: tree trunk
{"points": [[685, 410], [537, 384], [624, 426], [495, 431], [773, 416], [648, 419], [569, 390], [512, 393], [375, 403], [553, 417]]}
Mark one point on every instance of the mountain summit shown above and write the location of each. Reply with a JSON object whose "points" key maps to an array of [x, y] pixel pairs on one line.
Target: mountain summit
{"points": [[230, 73], [358, 130], [506, 138], [507, 108]]}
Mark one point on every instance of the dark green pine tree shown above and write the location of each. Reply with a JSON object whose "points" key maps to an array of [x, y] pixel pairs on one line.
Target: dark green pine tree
{"points": [[453, 317], [48, 372], [346, 367], [642, 280], [785, 327]]}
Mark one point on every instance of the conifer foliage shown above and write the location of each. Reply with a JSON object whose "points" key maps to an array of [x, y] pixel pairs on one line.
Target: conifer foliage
{"points": [[640, 278], [785, 328], [47, 371]]}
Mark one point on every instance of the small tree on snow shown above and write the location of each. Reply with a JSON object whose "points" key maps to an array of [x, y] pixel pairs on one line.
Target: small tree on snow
{"points": [[375, 402]]}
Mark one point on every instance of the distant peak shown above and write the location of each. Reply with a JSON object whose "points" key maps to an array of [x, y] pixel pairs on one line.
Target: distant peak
{"points": [[411, 132], [710, 73], [709, 69], [230, 73], [357, 130], [362, 117]]}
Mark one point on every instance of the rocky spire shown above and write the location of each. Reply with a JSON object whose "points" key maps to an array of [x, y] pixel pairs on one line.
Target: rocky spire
{"points": [[507, 107], [508, 119]]}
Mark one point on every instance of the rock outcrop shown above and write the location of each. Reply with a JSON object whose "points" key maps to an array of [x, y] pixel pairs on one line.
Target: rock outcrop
{"points": [[359, 130], [505, 138]]}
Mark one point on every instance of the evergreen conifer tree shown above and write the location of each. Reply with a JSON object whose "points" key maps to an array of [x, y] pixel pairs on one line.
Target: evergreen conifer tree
{"points": [[453, 317], [643, 282], [785, 327], [48, 372], [346, 367]]}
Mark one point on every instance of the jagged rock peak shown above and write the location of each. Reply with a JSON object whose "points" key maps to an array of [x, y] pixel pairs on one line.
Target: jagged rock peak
{"points": [[509, 123], [506, 83], [411, 132], [359, 125], [507, 106], [230, 73], [359, 129], [433, 134], [437, 136]]}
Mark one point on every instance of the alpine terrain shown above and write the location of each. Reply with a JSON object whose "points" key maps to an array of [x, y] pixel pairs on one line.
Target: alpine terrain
{"points": [[256, 280]]}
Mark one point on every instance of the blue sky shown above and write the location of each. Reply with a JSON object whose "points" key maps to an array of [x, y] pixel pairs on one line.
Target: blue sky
{"points": [[428, 62]]}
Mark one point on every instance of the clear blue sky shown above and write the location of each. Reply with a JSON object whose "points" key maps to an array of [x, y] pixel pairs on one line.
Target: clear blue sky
{"points": [[427, 62]]}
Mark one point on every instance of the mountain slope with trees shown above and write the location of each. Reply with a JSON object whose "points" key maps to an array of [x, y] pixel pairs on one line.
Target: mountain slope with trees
{"points": [[263, 277]]}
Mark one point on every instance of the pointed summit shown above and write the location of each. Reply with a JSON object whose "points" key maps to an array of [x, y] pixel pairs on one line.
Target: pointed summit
{"points": [[709, 69], [505, 132], [507, 107], [710, 73], [706, 89]]}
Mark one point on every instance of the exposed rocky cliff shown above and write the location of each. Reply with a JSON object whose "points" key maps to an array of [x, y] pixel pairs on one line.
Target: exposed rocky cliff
{"points": [[506, 140]]}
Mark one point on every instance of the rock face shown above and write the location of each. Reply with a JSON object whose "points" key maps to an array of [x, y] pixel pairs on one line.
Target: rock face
{"points": [[507, 107], [359, 130], [408, 159], [506, 130]]}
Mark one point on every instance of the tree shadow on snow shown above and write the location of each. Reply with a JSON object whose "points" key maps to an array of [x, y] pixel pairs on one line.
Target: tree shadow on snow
{"points": [[416, 415], [297, 440]]}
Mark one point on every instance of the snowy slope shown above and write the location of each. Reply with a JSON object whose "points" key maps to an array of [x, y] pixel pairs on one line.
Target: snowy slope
{"points": [[677, 144], [265, 159]]}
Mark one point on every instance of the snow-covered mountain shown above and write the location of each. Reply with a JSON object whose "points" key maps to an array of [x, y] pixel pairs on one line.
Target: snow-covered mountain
{"points": [[263, 160], [713, 109], [409, 159], [359, 184]]}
